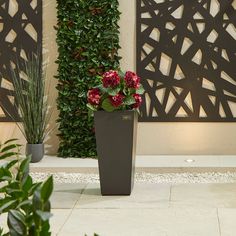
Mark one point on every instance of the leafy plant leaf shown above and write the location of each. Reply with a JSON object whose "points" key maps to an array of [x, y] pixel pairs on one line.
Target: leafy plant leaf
{"points": [[44, 215], [16, 221], [10, 164], [5, 174], [107, 106], [9, 147], [46, 189], [7, 204], [113, 91], [140, 90], [8, 154], [129, 100], [10, 141], [91, 107]]}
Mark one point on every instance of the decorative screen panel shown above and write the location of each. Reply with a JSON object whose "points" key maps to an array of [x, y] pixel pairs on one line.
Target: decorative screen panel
{"points": [[20, 35], [186, 56]]}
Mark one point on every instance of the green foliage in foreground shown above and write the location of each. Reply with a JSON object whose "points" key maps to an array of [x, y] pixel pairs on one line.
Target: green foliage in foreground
{"points": [[26, 203]]}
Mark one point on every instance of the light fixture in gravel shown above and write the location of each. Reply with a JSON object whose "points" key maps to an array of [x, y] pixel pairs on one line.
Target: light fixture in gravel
{"points": [[189, 160]]}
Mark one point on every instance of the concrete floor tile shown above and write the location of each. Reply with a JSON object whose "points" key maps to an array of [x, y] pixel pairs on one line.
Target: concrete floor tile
{"points": [[227, 161], [58, 220], [142, 222], [227, 218], [142, 196], [204, 195], [65, 196]]}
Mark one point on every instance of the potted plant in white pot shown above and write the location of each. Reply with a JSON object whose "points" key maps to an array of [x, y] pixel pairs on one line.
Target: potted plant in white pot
{"points": [[32, 104], [114, 103]]}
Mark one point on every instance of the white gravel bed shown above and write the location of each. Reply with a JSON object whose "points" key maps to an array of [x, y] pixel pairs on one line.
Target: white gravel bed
{"points": [[174, 178]]}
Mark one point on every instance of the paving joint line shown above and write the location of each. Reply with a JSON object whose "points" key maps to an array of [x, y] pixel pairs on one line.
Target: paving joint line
{"points": [[218, 219], [71, 210]]}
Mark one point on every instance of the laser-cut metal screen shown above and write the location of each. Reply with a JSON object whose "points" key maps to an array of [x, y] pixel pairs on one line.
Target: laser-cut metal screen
{"points": [[20, 35], [186, 56]]}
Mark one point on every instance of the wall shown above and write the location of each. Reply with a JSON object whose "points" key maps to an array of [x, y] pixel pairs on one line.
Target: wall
{"points": [[153, 138], [172, 138], [10, 130]]}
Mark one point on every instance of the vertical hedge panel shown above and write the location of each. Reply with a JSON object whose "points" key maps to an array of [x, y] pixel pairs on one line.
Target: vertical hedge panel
{"points": [[88, 41]]}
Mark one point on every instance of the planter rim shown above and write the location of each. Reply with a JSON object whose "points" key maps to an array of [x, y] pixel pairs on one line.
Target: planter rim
{"points": [[118, 111], [35, 143]]}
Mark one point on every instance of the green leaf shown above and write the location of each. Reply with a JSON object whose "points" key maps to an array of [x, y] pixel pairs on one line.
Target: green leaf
{"points": [[7, 204], [9, 147], [107, 106], [113, 91], [34, 187], [91, 107], [24, 166], [5, 174], [129, 100], [44, 215], [15, 193], [46, 189], [121, 74], [16, 221], [10, 140], [101, 88], [23, 170], [37, 202], [10, 164], [27, 184], [140, 90], [24, 204], [8, 154]]}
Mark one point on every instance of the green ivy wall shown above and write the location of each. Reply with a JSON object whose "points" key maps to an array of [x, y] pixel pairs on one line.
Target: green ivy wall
{"points": [[88, 43]]}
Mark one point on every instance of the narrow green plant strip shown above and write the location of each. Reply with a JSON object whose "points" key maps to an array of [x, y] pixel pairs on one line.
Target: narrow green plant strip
{"points": [[31, 99], [88, 43]]}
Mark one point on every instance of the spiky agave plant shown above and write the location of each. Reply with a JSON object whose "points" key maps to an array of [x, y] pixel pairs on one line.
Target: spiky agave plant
{"points": [[29, 87]]}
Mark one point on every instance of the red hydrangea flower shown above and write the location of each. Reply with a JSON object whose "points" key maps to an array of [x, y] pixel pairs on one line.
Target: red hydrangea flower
{"points": [[94, 96], [117, 100], [110, 79], [132, 80], [138, 100]]}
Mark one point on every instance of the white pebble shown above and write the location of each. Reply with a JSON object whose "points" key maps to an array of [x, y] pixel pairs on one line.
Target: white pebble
{"points": [[174, 178]]}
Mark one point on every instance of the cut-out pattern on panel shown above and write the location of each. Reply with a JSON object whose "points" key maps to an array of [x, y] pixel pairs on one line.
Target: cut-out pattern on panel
{"points": [[20, 35], [186, 56]]}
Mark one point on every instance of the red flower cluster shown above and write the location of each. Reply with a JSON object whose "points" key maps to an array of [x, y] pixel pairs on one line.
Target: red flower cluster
{"points": [[110, 79], [116, 92], [138, 100], [94, 96], [117, 100], [132, 80]]}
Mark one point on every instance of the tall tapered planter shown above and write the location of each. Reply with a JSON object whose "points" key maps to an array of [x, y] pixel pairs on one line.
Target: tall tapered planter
{"points": [[116, 146]]}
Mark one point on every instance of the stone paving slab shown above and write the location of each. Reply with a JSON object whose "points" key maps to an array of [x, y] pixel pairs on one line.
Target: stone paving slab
{"points": [[151, 210], [59, 218], [204, 195], [227, 219], [143, 196], [65, 196], [142, 222]]}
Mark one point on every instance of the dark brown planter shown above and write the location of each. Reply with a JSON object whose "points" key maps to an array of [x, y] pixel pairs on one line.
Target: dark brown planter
{"points": [[116, 146]]}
